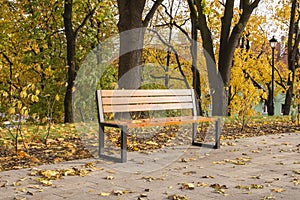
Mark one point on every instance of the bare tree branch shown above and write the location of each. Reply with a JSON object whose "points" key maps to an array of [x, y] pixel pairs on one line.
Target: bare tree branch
{"points": [[87, 17], [151, 12], [176, 55]]}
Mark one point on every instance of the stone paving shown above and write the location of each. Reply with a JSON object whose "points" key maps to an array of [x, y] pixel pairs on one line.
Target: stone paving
{"points": [[265, 167]]}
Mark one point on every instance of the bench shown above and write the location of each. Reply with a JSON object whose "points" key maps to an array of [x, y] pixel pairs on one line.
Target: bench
{"points": [[119, 101]]}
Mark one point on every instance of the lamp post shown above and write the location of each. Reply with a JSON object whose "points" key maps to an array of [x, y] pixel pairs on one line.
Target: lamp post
{"points": [[273, 43]]}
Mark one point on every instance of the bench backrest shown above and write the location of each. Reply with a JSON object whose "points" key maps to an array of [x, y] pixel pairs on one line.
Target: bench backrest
{"points": [[113, 101]]}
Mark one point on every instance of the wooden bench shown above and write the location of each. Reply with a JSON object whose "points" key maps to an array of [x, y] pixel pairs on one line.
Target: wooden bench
{"points": [[118, 101]]}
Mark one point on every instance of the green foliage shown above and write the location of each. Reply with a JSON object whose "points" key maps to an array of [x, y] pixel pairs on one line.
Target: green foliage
{"points": [[109, 79]]}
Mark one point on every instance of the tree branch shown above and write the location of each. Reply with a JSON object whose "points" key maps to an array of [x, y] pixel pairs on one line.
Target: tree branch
{"points": [[151, 12], [192, 9], [176, 55], [87, 17]]}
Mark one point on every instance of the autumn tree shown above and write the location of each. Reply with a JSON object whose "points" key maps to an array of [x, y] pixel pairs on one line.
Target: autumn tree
{"points": [[31, 48], [231, 32]]}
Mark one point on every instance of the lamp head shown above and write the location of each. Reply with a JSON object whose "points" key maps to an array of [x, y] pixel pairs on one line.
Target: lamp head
{"points": [[273, 42]]}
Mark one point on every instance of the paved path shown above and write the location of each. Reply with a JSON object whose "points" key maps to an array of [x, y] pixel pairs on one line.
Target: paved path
{"points": [[266, 167]]}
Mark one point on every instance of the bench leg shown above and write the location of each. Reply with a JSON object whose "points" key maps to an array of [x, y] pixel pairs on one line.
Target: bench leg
{"points": [[101, 140], [124, 144], [218, 133], [194, 133]]}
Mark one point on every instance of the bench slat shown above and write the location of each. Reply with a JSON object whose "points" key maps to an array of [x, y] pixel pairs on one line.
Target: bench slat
{"points": [[131, 93], [136, 100], [163, 121], [146, 107]]}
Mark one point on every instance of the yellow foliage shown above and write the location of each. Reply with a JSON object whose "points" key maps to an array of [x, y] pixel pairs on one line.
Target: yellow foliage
{"points": [[11, 111]]}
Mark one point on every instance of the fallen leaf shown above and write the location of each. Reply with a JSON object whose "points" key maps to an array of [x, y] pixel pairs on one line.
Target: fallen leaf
{"points": [[104, 194], [188, 186], [256, 186], [296, 171], [16, 184], [200, 184], [50, 174], [296, 181], [34, 159], [148, 178], [218, 186], [268, 197], [109, 177], [23, 154], [143, 195], [118, 192], [45, 182], [278, 190], [208, 177], [189, 173], [83, 172], [255, 177], [177, 197]]}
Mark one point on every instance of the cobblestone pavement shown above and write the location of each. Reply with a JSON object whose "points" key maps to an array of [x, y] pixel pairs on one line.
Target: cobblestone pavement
{"points": [[265, 167]]}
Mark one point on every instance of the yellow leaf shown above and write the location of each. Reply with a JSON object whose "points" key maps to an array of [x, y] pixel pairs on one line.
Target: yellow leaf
{"points": [[57, 97], [83, 172], [297, 171], [11, 111], [189, 186], [151, 143], [46, 182], [5, 94], [37, 92], [278, 190], [69, 172], [19, 105], [23, 94], [104, 194], [199, 184], [50, 174]]}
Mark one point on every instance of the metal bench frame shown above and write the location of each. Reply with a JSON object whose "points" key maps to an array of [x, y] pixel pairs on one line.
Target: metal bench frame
{"points": [[116, 101]]}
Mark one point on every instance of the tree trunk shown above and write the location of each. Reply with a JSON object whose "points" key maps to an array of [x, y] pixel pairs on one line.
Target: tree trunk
{"points": [[70, 36], [131, 43], [196, 74], [293, 42], [132, 30]]}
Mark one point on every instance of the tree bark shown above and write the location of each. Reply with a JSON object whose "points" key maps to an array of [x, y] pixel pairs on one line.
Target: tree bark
{"points": [[196, 73], [293, 56], [70, 36], [132, 29]]}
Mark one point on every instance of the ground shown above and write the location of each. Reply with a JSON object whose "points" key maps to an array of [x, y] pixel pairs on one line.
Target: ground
{"points": [[263, 167], [69, 146]]}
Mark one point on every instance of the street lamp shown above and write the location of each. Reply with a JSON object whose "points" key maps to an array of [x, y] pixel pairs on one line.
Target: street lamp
{"points": [[273, 43]]}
